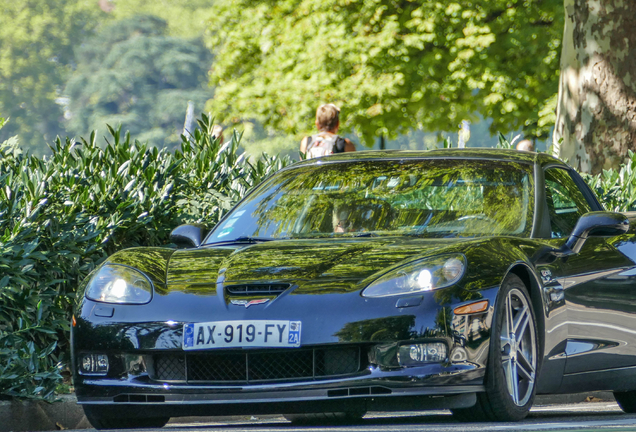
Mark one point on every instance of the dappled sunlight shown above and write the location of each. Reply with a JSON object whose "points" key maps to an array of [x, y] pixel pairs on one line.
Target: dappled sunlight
{"points": [[388, 198]]}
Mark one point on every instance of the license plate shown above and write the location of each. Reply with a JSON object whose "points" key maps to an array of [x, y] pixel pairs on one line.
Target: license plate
{"points": [[229, 334]]}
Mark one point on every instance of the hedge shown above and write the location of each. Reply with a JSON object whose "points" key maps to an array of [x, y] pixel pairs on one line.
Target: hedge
{"points": [[60, 216], [616, 188]]}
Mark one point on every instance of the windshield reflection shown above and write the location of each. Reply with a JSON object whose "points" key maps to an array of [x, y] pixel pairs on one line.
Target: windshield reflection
{"points": [[428, 198]]}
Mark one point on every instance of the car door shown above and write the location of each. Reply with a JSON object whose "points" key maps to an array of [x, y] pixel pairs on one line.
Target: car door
{"points": [[600, 307]]}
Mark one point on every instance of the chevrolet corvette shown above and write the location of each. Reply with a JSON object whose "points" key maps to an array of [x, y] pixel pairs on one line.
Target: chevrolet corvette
{"points": [[460, 279]]}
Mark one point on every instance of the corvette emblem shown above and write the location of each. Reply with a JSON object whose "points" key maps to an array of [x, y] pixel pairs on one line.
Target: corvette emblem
{"points": [[249, 303]]}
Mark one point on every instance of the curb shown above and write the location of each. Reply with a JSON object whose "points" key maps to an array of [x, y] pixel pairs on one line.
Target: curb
{"points": [[570, 398], [65, 413]]}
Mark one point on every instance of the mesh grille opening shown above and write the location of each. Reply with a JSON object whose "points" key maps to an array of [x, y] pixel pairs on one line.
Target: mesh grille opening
{"points": [[258, 366], [223, 367], [170, 366], [268, 366], [336, 362]]}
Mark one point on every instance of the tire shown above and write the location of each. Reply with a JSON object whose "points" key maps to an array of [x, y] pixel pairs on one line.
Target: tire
{"points": [[513, 359], [326, 417], [626, 400], [110, 418]]}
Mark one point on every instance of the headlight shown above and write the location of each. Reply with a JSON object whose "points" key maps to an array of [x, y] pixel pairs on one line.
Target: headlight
{"points": [[419, 276], [115, 283]]}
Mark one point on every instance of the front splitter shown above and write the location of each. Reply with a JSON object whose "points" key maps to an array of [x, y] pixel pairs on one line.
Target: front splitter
{"points": [[287, 402]]}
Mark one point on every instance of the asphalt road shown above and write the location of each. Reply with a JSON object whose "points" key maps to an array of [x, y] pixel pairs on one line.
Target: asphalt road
{"points": [[587, 416]]}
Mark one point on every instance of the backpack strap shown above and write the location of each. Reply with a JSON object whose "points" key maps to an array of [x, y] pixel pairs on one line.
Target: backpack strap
{"points": [[323, 144], [340, 145]]}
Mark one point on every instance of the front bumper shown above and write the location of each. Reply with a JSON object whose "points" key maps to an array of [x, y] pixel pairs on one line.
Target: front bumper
{"points": [[432, 386], [379, 384]]}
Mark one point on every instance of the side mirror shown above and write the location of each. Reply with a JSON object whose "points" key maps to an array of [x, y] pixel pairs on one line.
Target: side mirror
{"points": [[188, 236], [594, 224]]}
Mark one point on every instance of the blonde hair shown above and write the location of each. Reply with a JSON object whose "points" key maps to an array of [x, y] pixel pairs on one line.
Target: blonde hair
{"points": [[327, 116]]}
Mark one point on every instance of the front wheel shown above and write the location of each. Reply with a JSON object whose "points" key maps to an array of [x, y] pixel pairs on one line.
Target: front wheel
{"points": [[108, 418], [512, 361], [626, 400]]}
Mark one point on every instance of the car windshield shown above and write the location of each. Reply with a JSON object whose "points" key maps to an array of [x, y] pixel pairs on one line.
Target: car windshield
{"points": [[427, 197]]}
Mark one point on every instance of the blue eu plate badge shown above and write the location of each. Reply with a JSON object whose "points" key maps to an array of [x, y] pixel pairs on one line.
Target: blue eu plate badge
{"points": [[188, 335], [294, 332]]}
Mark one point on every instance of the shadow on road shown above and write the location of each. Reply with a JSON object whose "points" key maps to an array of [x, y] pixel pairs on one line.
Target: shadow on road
{"points": [[555, 415]]}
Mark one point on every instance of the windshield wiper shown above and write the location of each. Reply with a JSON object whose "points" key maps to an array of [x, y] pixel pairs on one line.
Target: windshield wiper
{"points": [[243, 240]]}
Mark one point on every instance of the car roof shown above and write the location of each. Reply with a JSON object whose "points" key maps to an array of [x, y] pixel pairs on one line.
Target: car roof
{"points": [[476, 153]]}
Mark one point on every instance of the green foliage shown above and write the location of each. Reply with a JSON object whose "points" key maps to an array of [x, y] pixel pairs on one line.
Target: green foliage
{"points": [[62, 215], [257, 140], [131, 73], [616, 188], [392, 66], [506, 143], [37, 39], [185, 19]]}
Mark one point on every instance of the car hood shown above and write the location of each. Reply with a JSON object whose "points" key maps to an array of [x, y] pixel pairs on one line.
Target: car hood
{"points": [[307, 264]]}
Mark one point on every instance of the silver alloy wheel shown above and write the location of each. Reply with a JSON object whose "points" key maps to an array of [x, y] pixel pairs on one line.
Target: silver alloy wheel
{"points": [[518, 347]]}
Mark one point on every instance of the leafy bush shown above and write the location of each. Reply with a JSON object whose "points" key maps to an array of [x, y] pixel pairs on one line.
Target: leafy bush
{"points": [[616, 188], [61, 216]]}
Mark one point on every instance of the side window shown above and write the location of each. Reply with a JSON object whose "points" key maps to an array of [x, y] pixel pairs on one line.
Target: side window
{"points": [[566, 203]]}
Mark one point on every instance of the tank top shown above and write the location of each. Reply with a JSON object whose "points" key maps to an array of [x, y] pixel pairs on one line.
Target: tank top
{"points": [[323, 144]]}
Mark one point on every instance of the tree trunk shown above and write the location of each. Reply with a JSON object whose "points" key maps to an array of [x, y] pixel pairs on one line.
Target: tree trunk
{"points": [[596, 109]]}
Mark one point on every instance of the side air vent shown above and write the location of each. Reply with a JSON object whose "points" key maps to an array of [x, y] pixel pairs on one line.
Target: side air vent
{"points": [[359, 391], [252, 289]]}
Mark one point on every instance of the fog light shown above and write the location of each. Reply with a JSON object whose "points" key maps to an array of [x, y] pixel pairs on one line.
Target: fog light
{"points": [[94, 364], [87, 363], [413, 354]]}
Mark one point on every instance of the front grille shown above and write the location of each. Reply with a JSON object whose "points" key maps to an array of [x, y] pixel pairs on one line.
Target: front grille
{"points": [[270, 366], [227, 365], [251, 289], [258, 366], [171, 367], [336, 362]]}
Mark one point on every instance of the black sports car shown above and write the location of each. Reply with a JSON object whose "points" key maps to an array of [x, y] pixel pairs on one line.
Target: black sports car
{"points": [[463, 279]]}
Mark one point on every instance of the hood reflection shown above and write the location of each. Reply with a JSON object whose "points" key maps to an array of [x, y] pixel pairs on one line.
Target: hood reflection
{"points": [[316, 266]]}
